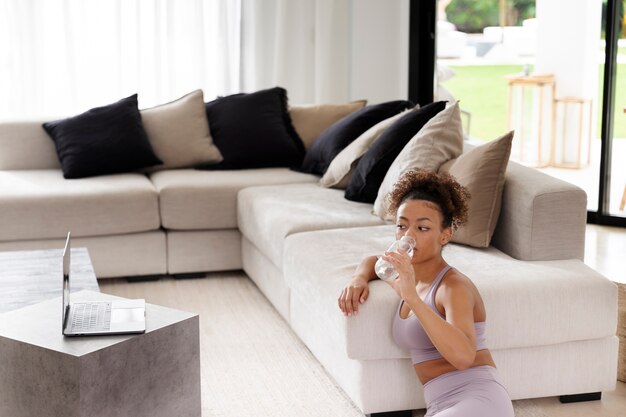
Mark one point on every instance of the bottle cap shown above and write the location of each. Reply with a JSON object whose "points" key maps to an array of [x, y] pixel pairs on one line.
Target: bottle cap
{"points": [[409, 240]]}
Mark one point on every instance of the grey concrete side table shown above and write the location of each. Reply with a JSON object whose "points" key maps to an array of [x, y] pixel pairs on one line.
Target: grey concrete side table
{"points": [[155, 374]]}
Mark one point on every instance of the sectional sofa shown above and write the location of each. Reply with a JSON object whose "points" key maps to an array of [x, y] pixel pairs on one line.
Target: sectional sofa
{"points": [[552, 320]]}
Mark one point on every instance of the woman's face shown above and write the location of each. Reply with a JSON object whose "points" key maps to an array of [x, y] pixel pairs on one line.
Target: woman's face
{"points": [[422, 221]]}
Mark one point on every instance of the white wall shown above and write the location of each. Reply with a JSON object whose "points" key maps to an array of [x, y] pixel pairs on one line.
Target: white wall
{"points": [[568, 44], [568, 47]]}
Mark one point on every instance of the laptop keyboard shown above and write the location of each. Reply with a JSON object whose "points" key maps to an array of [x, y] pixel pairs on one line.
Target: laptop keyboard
{"points": [[91, 317]]}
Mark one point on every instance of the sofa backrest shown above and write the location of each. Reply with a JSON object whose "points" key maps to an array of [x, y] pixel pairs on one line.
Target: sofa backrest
{"points": [[26, 145], [542, 217]]}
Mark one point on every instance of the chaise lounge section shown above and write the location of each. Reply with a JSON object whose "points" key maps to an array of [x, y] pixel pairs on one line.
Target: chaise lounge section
{"points": [[552, 319]]}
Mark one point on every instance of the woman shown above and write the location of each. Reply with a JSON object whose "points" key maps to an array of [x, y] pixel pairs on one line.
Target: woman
{"points": [[440, 319]]}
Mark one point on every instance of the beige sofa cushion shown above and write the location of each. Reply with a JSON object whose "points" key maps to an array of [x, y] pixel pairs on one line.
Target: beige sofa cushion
{"points": [[41, 204], [482, 171], [266, 215], [26, 145], [340, 169], [311, 120], [440, 140], [179, 133], [191, 199], [517, 294]]}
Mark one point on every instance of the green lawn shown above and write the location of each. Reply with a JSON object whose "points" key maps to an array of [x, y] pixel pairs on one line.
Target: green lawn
{"points": [[483, 91]]}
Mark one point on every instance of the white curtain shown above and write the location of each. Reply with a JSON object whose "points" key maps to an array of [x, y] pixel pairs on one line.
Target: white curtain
{"points": [[302, 45], [61, 57]]}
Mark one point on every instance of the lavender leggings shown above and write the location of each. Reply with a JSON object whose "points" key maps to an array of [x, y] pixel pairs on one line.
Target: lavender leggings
{"points": [[473, 392]]}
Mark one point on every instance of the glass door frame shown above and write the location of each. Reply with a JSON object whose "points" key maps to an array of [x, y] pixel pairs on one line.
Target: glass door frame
{"points": [[603, 216], [422, 58]]}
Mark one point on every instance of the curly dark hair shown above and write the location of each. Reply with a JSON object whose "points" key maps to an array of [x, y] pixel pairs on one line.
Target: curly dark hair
{"points": [[440, 189]]}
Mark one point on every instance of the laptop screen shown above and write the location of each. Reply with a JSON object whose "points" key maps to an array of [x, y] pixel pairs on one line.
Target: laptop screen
{"points": [[66, 281]]}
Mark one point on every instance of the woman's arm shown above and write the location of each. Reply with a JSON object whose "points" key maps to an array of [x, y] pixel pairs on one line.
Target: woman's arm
{"points": [[455, 336], [357, 290]]}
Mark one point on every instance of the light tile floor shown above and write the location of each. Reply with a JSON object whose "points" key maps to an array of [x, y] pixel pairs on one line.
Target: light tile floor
{"points": [[605, 251], [613, 404]]}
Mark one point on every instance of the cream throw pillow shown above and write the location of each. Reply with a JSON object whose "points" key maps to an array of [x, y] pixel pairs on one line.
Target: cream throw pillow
{"points": [[440, 140], [311, 120], [482, 171], [341, 167], [179, 133]]}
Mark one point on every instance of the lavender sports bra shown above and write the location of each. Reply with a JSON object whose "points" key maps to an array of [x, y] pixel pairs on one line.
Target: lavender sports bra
{"points": [[409, 333]]}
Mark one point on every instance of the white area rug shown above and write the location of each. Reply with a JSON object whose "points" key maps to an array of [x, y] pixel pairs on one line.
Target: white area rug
{"points": [[252, 363]]}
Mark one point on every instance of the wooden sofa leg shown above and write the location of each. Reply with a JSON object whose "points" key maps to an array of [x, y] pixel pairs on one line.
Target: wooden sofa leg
{"points": [[577, 398], [403, 413]]}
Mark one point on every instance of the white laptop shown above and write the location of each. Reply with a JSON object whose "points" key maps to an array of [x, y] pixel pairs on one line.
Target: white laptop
{"points": [[91, 318]]}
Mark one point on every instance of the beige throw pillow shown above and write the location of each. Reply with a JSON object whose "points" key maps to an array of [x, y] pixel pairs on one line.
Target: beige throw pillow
{"points": [[311, 120], [179, 133], [440, 140], [482, 170], [341, 167]]}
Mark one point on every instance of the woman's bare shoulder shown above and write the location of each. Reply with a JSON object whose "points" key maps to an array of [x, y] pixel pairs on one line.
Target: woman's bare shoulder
{"points": [[456, 281], [456, 277]]}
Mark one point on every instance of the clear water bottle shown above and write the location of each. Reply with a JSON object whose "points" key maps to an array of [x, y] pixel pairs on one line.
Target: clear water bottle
{"points": [[384, 269]]}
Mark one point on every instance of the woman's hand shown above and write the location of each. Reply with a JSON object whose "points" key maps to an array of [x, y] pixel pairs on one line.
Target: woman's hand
{"points": [[357, 290], [353, 294], [404, 284]]}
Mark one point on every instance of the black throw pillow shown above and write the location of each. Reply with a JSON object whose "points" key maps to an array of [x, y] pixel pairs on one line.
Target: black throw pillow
{"points": [[103, 140], [340, 134], [373, 165], [254, 131]]}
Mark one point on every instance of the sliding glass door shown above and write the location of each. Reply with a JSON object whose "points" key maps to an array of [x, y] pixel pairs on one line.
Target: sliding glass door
{"points": [[552, 70]]}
